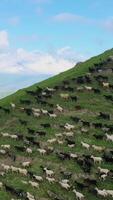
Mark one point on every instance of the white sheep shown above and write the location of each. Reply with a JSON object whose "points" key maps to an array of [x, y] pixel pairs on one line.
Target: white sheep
{"points": [[68, 134], [26, 164], [97, 159], [42, 151], [59, 108], [29, 151], [109, 137], [64, 185], [48, 172], [106, 85], [104, 171], [34, 184], [64, 96], [79, 195], [85, 145], [102, 193], [52, 115], [51, 180], [38, 178], [98, 148]]}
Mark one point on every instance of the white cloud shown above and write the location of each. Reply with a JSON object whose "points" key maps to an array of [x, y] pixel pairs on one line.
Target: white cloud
{"points": [[70, 17], [21, 61], [4, 42]]}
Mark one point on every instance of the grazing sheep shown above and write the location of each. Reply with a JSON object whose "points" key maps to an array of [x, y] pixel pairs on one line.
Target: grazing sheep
{"points": [[110, 193], [48, 172], [36, 110], [79, 195], [29, 151], [52, 115], [35, 114], [51, 180], [34, 184], [22, 171], [102, 193], [5, 146], [38, 178], [68, 134], [1, 185], [2, 151], [98, 148], [88, 88], [64, 185], [103, 177], [13, 105], [97, 159], [73, 155], [44, 111], [69, 127], [109, 137], [64, 96], [26, 164], [42, 151], [85, 145], [6, 167], [59, 108], [104, 171], [106, 85], [51, 141]]}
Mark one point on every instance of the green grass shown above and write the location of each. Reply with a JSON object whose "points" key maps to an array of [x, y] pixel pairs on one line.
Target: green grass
{"points": [[91, 104]]}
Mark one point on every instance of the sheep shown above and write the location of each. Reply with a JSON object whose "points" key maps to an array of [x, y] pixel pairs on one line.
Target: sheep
{"points": [[50, 89], [88, 88], [2, 151], [48, 172], [42, 151], [85, 145], [6, 167], [60, 141], [106, 85], [103, 177], [102, 193], [79, 195], [58, 134], [29, 151], [110, 192], [35, 114], [44, 111], [34, 184], [13, 105], [38, 178], [65, 181], [1, 185], [14, 136], [14, 169], [22, 171], [59, 108], [69, 127], [51, 141], [5, 134], [5, 146], [64, 185], [98, 148], [73, 155], [68, 134], [104, 171], [97, 159], [30, 196], [51, 180], [26, 164], [64, 96], [36, 110], [52, 115], [109, 137]]}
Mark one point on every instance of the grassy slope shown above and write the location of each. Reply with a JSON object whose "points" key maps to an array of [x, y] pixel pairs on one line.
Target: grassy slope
{"points": [[91, 104]]}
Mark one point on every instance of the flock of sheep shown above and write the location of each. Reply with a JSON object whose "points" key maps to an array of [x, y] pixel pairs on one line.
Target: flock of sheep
{"points": [[67, 136]]}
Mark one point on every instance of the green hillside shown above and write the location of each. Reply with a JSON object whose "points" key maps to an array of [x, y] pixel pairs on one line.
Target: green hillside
{"points": [[59, 124]]}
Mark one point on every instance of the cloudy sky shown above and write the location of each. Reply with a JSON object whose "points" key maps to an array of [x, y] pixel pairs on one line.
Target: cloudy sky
{"points": [[40, 38]]}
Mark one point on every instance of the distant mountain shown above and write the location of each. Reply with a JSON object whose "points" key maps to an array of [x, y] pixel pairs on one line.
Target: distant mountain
{"points": [[56, 136]]}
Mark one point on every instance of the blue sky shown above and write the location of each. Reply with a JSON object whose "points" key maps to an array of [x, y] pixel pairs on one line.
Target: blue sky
{"points": [[40, 38]]}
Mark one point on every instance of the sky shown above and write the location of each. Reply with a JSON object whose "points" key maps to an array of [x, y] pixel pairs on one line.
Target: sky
{"points": [[41, 38]]}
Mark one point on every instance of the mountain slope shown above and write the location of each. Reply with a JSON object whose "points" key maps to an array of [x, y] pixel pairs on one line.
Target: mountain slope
{"points": [[33, 132]]}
